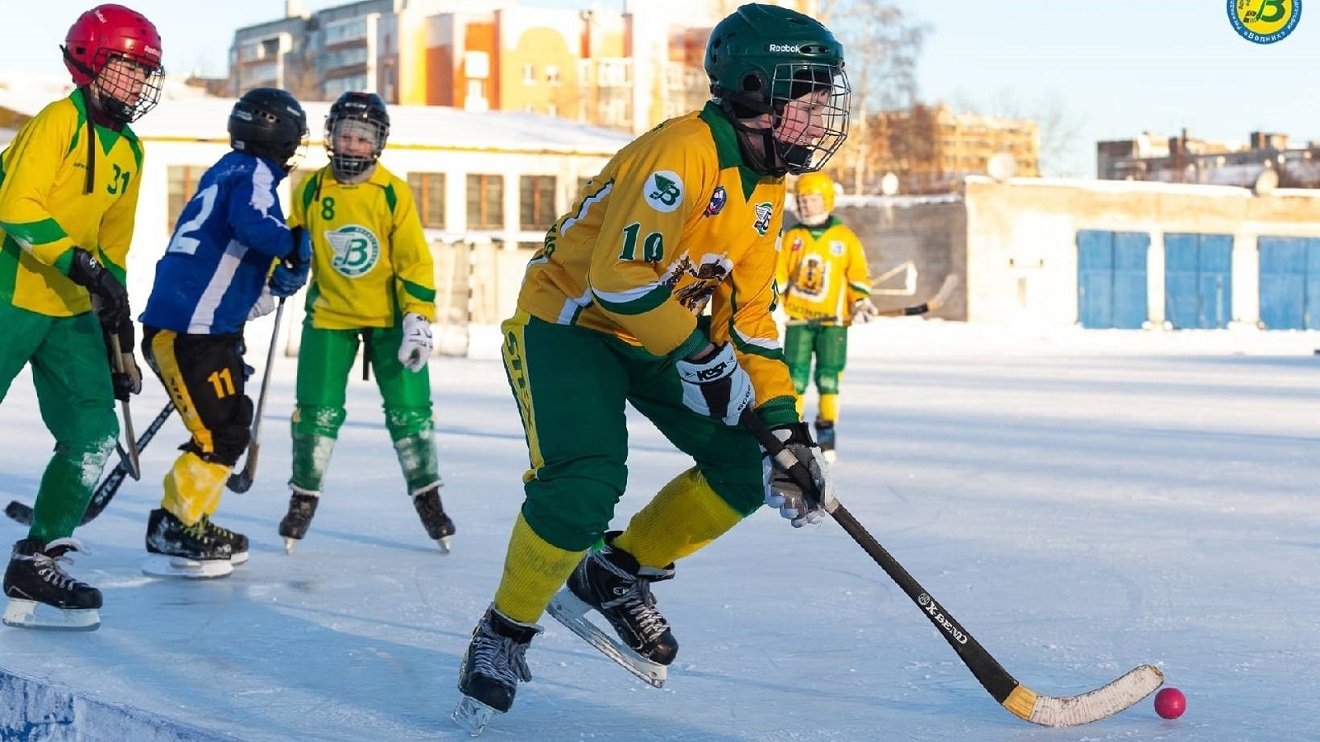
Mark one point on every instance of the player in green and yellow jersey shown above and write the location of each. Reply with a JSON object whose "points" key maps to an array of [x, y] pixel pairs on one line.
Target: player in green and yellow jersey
{"points": [[827, 287], [373, 282], [68, 197], [613, 311]]}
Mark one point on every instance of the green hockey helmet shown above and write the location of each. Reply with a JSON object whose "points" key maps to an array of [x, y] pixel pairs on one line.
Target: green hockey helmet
{"points": [[761, 58]]}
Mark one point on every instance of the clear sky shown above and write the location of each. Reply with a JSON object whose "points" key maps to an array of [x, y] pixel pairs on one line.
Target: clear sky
{"points": [[1112, 69]]}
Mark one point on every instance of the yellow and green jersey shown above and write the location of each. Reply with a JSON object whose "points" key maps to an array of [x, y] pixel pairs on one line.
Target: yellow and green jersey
{"points": [[822, 271], [61, 188], [675, 222], [370, 260]]}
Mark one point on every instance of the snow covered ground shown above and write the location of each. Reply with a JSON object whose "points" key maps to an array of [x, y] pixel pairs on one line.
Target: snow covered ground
{"points": [[1083, 502]]}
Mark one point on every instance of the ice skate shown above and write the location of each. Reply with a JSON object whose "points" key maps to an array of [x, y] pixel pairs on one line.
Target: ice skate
{"points": [[611, 583], [825, 439], [42, 595], [438, 525], [238, 543], [294, 525], [492, 667], [177, 550]]}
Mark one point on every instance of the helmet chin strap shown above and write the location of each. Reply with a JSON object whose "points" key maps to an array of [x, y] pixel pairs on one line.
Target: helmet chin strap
{"points": [[763, 159]]}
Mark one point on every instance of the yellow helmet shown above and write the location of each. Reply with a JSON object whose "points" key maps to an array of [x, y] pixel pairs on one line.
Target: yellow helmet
{"points": [[815, 184]]}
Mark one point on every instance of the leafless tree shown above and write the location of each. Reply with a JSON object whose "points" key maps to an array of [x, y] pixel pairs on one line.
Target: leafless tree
{"points": [[1058, 127]]}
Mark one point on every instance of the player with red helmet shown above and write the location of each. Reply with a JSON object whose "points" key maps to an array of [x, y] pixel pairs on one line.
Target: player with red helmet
{"points": [[67, 207]]}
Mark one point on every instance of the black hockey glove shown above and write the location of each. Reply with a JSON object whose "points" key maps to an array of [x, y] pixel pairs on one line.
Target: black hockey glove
{"points": [[109, 297], [124, 371], [783, 493]]}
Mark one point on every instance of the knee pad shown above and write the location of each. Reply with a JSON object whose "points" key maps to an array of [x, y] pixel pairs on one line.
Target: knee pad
{"points": [[313, 421], [408, 422]]}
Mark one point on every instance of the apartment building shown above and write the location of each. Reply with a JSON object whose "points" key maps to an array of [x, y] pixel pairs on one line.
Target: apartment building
{"points": [[932, 148]]}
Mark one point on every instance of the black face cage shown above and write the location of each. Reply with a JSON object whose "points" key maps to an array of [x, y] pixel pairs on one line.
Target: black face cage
{"points": [[120, 98], [810, 131], [348, 166]]}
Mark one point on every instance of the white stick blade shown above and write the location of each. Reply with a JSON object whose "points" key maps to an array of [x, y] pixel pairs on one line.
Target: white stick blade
{"points": [[1101, 703]]}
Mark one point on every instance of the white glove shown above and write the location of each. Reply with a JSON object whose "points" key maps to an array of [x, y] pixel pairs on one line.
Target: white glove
{"points": [[716, 386], [864, 311], [416, 346], [264, 306], [781, 492]]}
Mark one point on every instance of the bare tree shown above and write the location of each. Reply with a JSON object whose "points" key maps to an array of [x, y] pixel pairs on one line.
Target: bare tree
{"points": [[882, 44], [1057, 126]]}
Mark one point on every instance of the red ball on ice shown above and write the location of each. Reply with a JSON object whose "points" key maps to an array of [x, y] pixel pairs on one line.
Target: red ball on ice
{"points": [[1170, 703]]}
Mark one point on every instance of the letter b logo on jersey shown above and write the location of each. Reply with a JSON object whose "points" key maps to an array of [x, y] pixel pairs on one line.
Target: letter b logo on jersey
{"points": [[357, 250]]}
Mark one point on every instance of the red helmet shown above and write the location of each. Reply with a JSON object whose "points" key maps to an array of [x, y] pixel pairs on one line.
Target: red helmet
{"points": [[105, 31]]}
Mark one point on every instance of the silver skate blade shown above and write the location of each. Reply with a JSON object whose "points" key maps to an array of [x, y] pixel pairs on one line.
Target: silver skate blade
{"points": [[288, 544], [830, 456], [163, 565], [22, 614], [472, 716], [443, 542], [239, 558], [572, 613]]}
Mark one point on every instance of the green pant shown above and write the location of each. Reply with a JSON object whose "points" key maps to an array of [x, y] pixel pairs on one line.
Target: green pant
{"points": [[325, 359], [572, 386], [71, 373], [828, 343]]}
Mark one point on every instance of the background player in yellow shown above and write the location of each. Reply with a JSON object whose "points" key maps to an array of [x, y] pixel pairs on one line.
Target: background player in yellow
{"points": [[827, 287], [373, 283], [68, 197], [612, 313]]}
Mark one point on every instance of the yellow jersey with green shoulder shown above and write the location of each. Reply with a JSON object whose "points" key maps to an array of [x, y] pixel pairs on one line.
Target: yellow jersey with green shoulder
{"points": [[370, 260], [64, 183], [822, 271], [674, 225]]}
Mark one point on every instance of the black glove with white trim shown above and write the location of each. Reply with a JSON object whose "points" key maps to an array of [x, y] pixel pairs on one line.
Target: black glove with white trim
{"points": [[781, 492]]}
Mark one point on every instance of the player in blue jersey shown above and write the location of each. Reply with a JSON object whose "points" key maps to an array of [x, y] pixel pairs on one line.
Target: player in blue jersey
{"points": [[208, 284]]}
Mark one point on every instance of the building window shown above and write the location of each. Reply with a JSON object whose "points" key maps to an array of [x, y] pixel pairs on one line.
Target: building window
{"points": [[552, 75], [485, 201], [529, 74], [536, 202], [429, 192], [182, 184]]}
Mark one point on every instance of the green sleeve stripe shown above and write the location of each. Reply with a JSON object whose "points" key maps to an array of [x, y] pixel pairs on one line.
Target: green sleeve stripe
{"points": [[136, 146], [65, 261], [654, 296], [860, 288], [391, 197], [418, 291], [309, 191], [757, 346], [35, 233], [10, 253]]}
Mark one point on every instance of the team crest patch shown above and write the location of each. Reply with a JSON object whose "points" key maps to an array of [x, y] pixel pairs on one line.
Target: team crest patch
{"points": [[797, 244], [764, 211], [717, 201], [664, 191], [836, 248], [357, 250]]}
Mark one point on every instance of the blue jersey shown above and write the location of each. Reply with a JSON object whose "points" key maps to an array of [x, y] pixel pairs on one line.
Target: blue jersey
{"points": [[221, 253]]}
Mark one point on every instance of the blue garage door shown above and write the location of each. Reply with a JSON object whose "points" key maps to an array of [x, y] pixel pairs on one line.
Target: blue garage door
{"points": [[1111, 279], [1198, 280], [1289, 282]]}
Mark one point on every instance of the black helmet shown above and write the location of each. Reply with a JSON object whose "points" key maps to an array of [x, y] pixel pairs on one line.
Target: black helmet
{"points": [[269, 123], [361, 115], [760, 58]]}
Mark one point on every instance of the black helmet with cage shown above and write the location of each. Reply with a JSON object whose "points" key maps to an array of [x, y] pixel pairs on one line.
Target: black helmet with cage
{"points": [[269, 123], [355, 117], [763, 58]]}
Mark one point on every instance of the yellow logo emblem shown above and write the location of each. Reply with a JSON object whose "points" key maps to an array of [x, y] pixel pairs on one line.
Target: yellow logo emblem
{"points": [[1264, 21]]}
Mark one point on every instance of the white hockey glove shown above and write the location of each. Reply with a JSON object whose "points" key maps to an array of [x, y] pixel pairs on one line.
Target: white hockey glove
{"points": [[863, 311], [416, 346], [264, 306], [781, 492], [716, 385]]}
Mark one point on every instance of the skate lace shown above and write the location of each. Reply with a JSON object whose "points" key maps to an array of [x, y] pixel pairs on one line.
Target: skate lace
{"points": [[638, 602], [216, 530], [500, 658], [48, 562]]}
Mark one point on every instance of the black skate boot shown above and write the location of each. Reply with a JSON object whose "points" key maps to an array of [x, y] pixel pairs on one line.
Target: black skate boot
{"points": [[238, 543], [611, 583], [825, 439], [295, 523], [438, 525], [34, 577], [492, 667], [178, 550]]}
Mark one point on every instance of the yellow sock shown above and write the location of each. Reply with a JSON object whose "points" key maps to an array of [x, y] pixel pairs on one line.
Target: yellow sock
{"points": [[685, 516], [193, 487], [533, 571], [829, 408], [801, 403]]}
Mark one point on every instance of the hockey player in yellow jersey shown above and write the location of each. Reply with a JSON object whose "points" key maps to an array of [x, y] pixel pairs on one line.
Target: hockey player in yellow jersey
{"points": [[827, 287], [69, 186], [656, 290], [373, 283]]}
